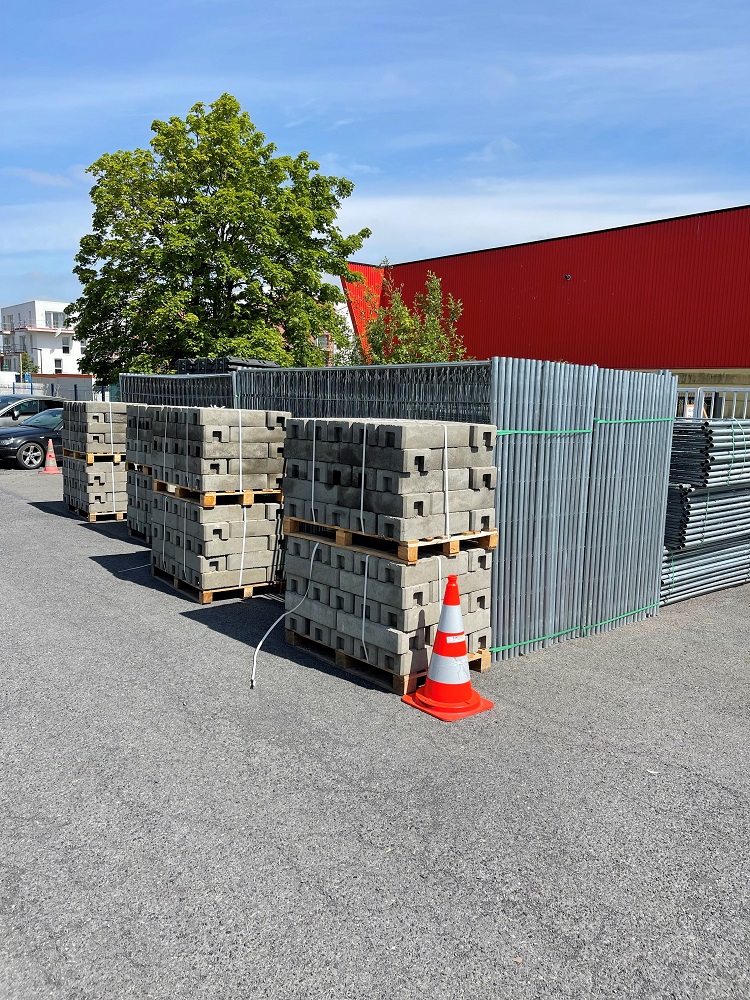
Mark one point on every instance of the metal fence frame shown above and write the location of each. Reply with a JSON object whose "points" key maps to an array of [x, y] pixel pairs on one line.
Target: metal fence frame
{"points": [[633, 410], [715, 402]]}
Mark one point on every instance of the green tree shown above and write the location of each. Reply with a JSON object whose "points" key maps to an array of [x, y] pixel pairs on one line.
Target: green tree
{"points": [[423, 332], [28, 364], [207, 244]]}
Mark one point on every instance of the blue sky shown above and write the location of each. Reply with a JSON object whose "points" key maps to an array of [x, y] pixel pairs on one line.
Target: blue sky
{"points": [[462, 126]]}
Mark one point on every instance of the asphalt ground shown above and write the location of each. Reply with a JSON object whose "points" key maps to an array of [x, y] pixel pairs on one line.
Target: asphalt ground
{"points": [[167, 832]]}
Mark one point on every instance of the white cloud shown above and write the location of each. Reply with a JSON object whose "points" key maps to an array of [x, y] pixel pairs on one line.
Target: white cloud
{"points": [[500, 213], [39, 177], [44, 226], [341, 166]]}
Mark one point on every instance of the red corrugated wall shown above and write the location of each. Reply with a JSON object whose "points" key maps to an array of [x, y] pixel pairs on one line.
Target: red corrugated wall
{"points": [[672, 294]]}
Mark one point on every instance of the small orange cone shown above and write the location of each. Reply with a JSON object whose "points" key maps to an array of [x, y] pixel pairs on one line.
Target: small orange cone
{"points": [[50, 465], [447, 693]]}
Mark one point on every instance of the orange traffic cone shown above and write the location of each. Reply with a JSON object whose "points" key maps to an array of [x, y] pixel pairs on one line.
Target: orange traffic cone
{"points": [[447, 693], [50, 465]]}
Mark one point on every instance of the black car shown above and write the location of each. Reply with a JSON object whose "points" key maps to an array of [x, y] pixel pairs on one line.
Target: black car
{"points": [[13, 408], [26, 443]]}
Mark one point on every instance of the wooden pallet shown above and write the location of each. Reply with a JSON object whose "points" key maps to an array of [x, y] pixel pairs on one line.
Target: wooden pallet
{"points": [[140, 535], [91, 458], [97, 516], [396, 683], [215, 498], [220, 593], [145, 470], [406, 552]]}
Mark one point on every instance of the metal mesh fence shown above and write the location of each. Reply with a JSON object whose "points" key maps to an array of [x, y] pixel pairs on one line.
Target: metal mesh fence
{"points": [[582, 459], [460, 392], [177, 390]]}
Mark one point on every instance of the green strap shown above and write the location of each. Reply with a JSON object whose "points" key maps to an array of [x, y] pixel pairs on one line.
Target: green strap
{"points": [[590, 430], [571, 430], [608, 621], [639, 420], [529, 642], [567, 631]]}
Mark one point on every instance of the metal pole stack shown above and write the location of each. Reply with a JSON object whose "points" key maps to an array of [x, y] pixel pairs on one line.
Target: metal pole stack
{"points": [[707, 537]]}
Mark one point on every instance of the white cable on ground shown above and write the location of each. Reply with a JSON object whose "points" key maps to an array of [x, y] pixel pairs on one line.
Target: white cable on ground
{"points": [[132, 569], [281, 618]]}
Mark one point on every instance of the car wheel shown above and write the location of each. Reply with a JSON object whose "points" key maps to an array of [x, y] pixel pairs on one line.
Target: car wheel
{"points": [[30, 455]]}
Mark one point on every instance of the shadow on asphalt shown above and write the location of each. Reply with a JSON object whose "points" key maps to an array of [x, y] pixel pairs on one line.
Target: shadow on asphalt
{"points": [[134, 566], [112, 529], [243, 620], [57, 507], [247, 621]]}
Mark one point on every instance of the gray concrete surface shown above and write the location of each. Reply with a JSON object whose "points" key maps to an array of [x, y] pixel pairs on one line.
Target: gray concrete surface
{"points": [[166, 832]]}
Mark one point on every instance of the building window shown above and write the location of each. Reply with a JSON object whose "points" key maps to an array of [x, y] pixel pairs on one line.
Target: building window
{"points": [[66, 345], [58, 366], [54, 320], [8, 322], [22, 342]]}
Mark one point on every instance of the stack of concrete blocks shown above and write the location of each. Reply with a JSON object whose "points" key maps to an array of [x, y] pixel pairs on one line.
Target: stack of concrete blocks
{"points": [[216, 548], [138, 452], [212, 449], [217, 539], [91, 484], [95, 428], [376, 608]]}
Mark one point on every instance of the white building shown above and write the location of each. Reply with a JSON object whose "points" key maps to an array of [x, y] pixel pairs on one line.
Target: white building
{"points": [[37, 328]]}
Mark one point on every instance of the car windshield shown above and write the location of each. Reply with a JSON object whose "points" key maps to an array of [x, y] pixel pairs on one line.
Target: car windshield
{"points": [[50, 418]]}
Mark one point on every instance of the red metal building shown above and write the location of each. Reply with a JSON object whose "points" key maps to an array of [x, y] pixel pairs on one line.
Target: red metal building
{"points": [[670, 294]]}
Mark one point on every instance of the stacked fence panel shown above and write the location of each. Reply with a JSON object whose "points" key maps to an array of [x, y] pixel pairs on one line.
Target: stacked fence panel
{"points": [[545, 414], [582, 478], [582, 460], [457, 392], [178, 390], [707, 536], [627, 497]]}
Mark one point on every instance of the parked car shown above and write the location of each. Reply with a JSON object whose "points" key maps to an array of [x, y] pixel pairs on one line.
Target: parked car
{"points": [[14, 408], [26, 443]]}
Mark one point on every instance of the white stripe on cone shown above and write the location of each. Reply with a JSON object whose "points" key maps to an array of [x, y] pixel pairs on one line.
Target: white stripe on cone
{"points": [[451, 620], [448, 669]]}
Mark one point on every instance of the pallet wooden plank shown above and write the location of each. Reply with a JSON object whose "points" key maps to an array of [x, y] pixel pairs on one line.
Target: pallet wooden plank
{"points": [[218, 593], [402, 551], [92, 516], [213, 498], [92, 458]]}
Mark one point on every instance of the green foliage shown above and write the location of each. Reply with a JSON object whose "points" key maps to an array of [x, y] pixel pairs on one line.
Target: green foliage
{"points": [[424, 332], [28, 364], [207, 243]]}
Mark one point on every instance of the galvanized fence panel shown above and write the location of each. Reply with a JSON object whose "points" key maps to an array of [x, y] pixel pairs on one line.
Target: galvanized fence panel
{"points": [[582, 459], [178, 390], [458, 392]]}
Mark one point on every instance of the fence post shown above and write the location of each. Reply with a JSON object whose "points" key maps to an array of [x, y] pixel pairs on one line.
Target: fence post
{"points": [[496, 555]]}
